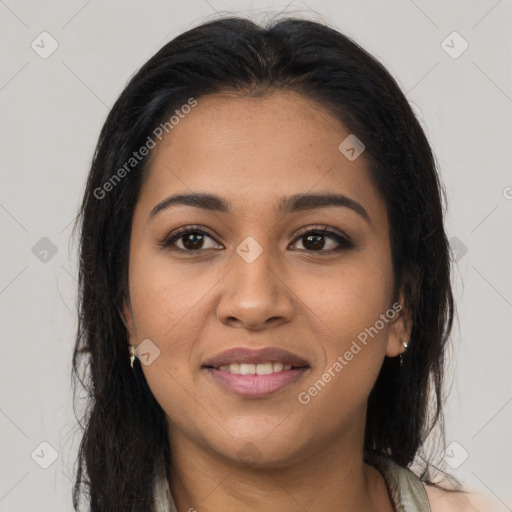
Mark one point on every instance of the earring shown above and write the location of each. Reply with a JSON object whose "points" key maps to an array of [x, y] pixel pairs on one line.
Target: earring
{"points": [[132, 354], [405, 345]]}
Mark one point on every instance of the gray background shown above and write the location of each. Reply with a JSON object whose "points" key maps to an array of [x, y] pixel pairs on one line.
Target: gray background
{"points": [[52, 110]]}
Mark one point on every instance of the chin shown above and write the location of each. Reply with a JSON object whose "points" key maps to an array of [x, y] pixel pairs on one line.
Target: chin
{"points": [[261, 450]]}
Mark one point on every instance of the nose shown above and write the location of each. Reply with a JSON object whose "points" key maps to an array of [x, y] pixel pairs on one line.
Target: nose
{"points": [[255, 295]]}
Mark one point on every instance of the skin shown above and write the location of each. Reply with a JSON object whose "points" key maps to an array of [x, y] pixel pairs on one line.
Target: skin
{"points": [[194, 305], [473, 501]]}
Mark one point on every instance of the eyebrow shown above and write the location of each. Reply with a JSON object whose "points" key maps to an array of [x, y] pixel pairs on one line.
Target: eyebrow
{"points": [[286, 205]]}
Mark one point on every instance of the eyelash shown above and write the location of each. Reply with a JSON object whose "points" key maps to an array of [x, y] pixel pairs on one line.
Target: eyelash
{"points": [[344, 242]]}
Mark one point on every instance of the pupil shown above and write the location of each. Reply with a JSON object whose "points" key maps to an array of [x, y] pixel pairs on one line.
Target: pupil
{"points": [[191, 241], [317, 241]]}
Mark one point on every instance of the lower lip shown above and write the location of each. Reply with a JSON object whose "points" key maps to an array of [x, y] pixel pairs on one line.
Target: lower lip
{"points": [[256, 386]]}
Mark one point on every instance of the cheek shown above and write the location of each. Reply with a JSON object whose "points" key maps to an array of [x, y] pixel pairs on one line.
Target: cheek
{"points": [[166, 304], [353, 346], [165, 294], [351, 298], [168, 310], [350, 304]]}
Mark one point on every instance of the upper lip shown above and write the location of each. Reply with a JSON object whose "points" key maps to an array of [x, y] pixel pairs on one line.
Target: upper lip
{"points": [[248, 356]]}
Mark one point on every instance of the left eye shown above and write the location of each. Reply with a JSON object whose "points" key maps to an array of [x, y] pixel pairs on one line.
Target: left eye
{"points": [[315, 241]]}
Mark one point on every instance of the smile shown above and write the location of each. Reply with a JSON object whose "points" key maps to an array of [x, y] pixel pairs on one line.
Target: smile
{"points": [[252, 369], [275, 377]]}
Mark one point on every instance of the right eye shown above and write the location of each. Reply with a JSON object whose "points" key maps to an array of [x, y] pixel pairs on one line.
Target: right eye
{"points": [[191, 239]]}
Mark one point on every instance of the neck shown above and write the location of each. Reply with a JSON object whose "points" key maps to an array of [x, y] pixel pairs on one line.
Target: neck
{"points": [[331, 480]]}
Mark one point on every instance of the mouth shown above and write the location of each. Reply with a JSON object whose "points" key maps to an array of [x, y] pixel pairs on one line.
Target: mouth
{"points": [[266, 368], [256, 373], [246, 356]]}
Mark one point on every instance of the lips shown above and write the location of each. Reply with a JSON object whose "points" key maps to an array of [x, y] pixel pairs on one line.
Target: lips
{"points": [[242, 355]]}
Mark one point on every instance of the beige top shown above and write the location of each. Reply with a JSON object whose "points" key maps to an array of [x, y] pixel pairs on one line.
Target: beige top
{"points": [[405, 488]]}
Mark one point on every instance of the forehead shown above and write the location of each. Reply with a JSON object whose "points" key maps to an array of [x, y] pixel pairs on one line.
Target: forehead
{"points": [[253, 150]]}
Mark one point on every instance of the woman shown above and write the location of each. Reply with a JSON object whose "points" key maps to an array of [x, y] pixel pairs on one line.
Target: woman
{"points": [[264, 283]]}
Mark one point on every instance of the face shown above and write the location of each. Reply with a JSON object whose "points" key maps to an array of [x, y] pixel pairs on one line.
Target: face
{"points": [[256, 268]]}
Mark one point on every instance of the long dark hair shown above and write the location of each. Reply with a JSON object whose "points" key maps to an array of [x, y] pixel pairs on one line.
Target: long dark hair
{"points": [[124, 426]]}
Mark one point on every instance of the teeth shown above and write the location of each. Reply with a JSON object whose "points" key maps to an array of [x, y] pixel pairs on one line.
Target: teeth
{"points": [[252, 369], [247, 369], [264, 368], [277, 367]]}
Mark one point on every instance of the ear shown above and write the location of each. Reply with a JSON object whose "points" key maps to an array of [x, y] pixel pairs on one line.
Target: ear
{"points": [[400, 328]]}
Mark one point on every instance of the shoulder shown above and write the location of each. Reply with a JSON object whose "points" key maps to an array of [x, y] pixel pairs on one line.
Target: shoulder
{"points": [[445, 501]]}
